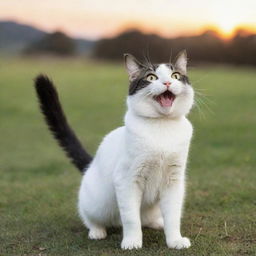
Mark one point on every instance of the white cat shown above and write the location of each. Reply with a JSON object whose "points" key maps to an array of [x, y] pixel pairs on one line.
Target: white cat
{"points": [[137, 177]]}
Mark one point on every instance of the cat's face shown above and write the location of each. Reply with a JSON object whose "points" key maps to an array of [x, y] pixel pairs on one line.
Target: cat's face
{"points": [[161, 90]]}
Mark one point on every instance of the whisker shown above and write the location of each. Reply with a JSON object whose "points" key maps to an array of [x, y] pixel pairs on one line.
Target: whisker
{"points": [[197, 105], [203, 102], [200, 79], [170, 60]]}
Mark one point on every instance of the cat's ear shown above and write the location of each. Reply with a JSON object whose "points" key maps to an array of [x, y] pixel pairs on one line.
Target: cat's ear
{"points": [[133, 66], [181, 62]]}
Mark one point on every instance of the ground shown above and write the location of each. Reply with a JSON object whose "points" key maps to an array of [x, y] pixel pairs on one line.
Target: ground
{"points": [[39, 186]]}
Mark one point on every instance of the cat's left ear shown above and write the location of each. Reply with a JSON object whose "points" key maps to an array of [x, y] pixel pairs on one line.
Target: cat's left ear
{"points": [[133, 66], [181, 62]]}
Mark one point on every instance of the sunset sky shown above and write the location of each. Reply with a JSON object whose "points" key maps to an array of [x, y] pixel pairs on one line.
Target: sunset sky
{"points": [[98, 18]]}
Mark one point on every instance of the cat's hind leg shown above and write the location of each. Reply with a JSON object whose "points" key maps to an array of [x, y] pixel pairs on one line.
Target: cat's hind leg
{"points": [[152, 218], [96, 231]]}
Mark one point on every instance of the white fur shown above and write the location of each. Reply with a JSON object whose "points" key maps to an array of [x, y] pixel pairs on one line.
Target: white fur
{"points": [[137, 177]]}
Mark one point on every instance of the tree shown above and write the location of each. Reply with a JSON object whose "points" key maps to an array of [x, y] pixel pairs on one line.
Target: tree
{"points": [[56, 43]]}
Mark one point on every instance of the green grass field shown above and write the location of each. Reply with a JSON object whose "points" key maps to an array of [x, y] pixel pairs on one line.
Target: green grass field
{"points": [[38, 185]]}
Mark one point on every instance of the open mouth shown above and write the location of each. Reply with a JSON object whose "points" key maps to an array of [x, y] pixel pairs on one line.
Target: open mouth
{"points": [[165, 99]]}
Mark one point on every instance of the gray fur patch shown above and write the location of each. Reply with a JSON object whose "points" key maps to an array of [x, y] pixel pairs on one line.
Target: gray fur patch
{"points": [[140, 82]]}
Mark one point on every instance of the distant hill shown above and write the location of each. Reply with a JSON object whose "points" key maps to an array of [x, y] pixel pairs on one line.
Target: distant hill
{"points": [[15, 37]]}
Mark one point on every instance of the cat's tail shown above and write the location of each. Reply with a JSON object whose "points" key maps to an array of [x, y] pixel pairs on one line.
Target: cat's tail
{"points": [[58, 124]]}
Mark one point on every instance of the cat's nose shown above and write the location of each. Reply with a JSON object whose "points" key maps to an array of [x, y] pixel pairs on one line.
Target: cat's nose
{"points": [[167, 84]]}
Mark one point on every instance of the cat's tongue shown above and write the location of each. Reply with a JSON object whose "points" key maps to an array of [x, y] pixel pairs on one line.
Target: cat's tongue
{"points": [[166, 99]]}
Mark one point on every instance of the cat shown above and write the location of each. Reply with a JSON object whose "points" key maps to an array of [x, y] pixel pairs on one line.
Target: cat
{"points": [[137, 177]]}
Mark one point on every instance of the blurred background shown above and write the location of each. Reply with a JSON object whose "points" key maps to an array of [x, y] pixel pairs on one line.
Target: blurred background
{"points": [[213, 31], [80, 45]]}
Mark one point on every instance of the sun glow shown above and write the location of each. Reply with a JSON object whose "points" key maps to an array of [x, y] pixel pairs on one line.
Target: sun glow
{"points": [[227, 27], [227, 22]]}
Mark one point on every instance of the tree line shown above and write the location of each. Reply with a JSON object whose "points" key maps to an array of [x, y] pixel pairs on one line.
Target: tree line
{"points": [[207, 47]]}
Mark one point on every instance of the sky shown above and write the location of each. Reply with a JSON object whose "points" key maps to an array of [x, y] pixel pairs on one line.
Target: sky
{"points": [[94, 19]]}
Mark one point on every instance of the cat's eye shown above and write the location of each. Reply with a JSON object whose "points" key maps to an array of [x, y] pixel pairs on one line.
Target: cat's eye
{"points": [[176, 75], [151, 77]]}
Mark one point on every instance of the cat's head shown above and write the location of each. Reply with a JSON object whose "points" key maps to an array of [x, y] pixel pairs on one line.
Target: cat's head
{"points": [[159, 90]]}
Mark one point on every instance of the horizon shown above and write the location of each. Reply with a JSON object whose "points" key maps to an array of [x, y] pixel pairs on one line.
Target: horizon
{"points": [[94, 20], [129, 29]]}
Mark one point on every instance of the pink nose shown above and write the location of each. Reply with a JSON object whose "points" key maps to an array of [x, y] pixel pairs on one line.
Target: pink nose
{"points": [[167, 84]]}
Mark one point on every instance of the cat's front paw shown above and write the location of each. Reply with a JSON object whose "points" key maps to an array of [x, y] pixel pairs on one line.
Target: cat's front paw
{"points": [[180, 243], [130, 243]]}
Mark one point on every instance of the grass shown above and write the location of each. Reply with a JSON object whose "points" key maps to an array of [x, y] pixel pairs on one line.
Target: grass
{"points": [[39, 186]]}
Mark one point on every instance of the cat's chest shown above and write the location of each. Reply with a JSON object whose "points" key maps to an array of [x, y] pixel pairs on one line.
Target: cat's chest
{"points": [[155, 172], [159, 153], [158, 165], [170, 138]]}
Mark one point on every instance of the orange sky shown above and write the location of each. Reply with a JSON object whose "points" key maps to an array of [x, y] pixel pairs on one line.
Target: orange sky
{"points": [[98, 18]]}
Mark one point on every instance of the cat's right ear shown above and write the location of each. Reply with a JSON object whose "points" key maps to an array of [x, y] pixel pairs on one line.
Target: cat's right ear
{"points": [[133, 66]]}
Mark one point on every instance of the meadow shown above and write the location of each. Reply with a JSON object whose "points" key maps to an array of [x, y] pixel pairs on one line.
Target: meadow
{"points": [[38, 185]]}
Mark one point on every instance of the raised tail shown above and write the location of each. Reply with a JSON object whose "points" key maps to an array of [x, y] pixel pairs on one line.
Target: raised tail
{"points": [[58, 124]]}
